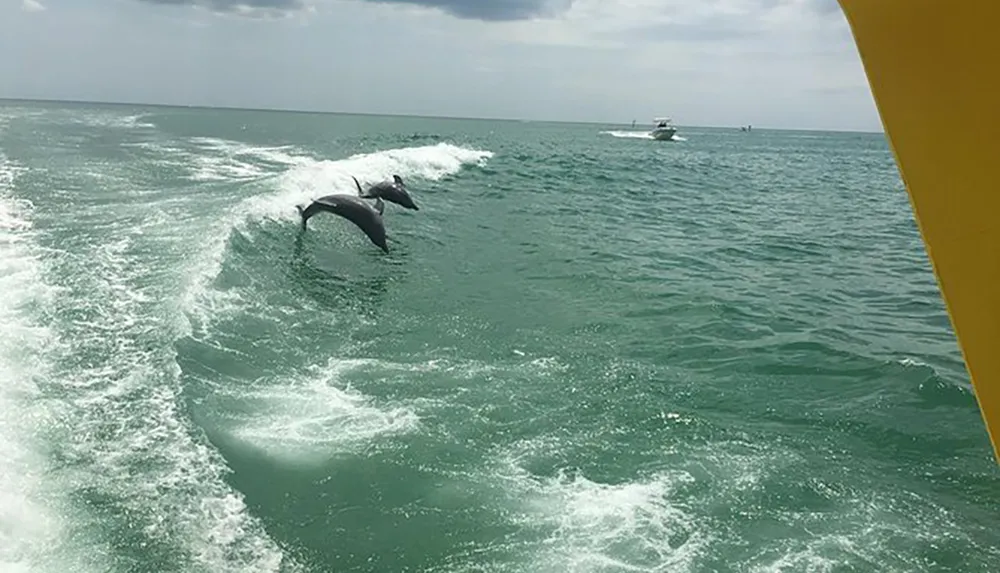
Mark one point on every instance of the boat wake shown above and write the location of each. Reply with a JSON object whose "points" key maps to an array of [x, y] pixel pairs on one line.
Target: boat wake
{"points": [[107, 381], [300, 412]]}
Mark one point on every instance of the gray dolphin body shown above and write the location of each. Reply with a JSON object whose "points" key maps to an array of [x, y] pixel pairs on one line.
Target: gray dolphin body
{"points": [[355, 210], [394, 192]]}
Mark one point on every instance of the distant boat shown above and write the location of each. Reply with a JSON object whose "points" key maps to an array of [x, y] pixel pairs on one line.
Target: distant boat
{"points": [[663, 129]]}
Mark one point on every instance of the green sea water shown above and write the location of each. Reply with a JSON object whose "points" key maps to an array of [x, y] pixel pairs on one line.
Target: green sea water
{"points": [[587, 352]]}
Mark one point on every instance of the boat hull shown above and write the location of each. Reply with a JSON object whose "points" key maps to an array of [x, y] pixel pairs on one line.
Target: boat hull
{"points": [[663, 134]]}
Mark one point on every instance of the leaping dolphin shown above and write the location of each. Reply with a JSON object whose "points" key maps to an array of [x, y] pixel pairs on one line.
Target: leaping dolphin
{"points": [[394, 192], [355, 210]]}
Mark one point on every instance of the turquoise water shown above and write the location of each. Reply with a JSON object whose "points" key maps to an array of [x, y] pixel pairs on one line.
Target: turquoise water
{"points": [[587, 352]]}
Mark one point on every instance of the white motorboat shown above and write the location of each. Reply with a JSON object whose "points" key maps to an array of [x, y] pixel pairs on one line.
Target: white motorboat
{"points": [[663, 129]]}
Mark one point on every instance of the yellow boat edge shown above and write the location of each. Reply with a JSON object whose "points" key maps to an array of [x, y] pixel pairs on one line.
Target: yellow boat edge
{"points": [[931, 67]]}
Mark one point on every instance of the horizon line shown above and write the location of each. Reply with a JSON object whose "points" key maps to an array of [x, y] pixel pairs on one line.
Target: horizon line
{"points": [[406, 115]]}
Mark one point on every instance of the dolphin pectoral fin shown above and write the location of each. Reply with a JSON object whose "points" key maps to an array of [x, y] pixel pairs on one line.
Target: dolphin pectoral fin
{"points": [[379, 205]]}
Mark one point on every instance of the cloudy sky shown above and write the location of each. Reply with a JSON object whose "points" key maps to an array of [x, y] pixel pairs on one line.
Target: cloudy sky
{"points": [[770, 63]]}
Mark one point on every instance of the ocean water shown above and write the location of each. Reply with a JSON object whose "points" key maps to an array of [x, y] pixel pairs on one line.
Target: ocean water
{"points": [[587, 352]]}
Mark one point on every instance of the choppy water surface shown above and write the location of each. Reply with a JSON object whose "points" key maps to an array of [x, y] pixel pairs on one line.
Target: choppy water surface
{"points": [[586, 352]]}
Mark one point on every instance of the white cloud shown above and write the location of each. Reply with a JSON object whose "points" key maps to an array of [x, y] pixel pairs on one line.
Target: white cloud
{"points": [[702, 25], [32, 6], [780, 63], [711, 61]]}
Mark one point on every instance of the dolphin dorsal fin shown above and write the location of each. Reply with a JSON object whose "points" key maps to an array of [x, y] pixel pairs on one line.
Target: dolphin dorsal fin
{"points": [[360, 192], [397, 179]]}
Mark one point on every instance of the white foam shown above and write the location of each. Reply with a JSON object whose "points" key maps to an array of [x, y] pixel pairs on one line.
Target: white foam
{"points": [[315, 179], [633, 524], [277, 154], [224, 160], [808, 558], [629, 134], [541, 366], [593, 526], [638, 135], [312, 419], [33, 513], [200, 304], [130, 446], [214, 160], [127, 393], [912, 362], [110, 119]]}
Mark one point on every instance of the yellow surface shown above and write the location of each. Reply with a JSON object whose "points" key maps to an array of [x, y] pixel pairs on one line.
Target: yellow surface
{"points": [[934, 70]]}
